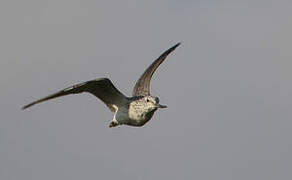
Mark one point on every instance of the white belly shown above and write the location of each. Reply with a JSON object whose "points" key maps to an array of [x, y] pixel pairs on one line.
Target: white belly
{"points": [[132, 117]]}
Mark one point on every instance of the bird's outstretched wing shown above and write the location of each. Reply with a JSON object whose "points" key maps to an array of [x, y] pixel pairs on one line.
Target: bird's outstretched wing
{"points": [[101, 88], [142, 87]]}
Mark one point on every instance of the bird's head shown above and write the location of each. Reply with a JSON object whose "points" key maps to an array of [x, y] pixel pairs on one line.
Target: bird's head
{"points": [[152, 103]]}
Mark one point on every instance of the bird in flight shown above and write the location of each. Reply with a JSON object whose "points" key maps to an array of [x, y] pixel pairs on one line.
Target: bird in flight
{"points": [[132, 111]]}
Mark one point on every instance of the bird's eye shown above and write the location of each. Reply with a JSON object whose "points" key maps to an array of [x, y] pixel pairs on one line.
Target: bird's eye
{"points": [[157, 100], [147, 100]]}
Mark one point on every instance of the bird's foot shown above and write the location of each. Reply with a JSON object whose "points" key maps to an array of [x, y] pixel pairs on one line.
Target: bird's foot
{"points": [[113, 123]]}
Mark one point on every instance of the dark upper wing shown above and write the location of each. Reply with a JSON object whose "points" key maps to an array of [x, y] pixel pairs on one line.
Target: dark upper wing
{"points": [[101, 88], [142, 87]]}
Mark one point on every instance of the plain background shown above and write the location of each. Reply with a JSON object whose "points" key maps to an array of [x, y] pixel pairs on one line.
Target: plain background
{"points": [[227, 87]]}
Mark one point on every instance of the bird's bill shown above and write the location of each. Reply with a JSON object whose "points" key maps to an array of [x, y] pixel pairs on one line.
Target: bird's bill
{"points": [[161, 106]]}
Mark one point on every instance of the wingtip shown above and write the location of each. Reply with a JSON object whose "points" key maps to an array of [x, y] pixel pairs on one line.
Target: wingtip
{"points": [[27, 106], [173, 47], [24, 107], [177, 44]]}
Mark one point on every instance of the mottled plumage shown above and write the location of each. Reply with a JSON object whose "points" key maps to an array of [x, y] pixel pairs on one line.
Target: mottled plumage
{"points": [[132, 111]]}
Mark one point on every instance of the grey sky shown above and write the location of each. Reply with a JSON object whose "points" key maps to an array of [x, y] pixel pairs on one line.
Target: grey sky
{"points": [[227, 87]]}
